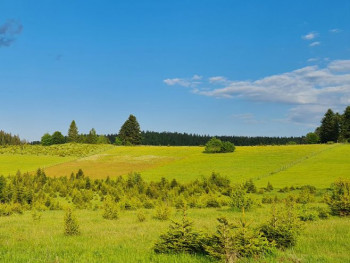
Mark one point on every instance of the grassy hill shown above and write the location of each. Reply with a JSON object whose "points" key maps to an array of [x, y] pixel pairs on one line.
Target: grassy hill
{"points": [[318, 165]]}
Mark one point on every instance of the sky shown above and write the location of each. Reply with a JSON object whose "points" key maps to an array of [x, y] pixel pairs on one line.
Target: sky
{"points": [[251, 68]]}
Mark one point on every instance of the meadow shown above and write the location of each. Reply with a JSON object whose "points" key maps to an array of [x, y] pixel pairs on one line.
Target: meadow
{"points": [[26, 239], [281, 165]]}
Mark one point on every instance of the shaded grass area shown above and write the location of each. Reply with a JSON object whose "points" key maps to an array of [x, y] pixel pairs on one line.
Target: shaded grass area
{"points": [[127, 240]]}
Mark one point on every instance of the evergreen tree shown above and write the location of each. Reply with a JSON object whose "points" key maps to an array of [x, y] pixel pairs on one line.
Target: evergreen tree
{"points": [[73, 134], [130, 132], [92, 137], [345, 124], [329, 129]]}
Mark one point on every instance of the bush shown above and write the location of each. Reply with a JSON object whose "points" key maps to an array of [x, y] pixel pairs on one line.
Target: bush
{"points": [[283, 227], [232, 242], [240, 199], [141, 216], [215, 145], [110, 209], [162, 212], [71, 225], [339, 200], [308, 215], [180, 238]]}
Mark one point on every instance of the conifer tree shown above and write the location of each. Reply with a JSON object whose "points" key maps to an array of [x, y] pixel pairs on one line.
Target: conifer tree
{"points": [[73, 134], [130, 132], [329, 129], [345, 124]]}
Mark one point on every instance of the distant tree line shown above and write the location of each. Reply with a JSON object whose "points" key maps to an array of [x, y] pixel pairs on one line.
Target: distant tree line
{"points": [[189, 139], [9, 139]]}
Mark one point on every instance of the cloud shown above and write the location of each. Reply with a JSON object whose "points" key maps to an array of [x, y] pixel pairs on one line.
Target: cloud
{"points": [[218, 79], [310, 36], [339, 65], [335, 30], [314, 44], [310, 87], [184, 82], [8, 32], [312, 59]]}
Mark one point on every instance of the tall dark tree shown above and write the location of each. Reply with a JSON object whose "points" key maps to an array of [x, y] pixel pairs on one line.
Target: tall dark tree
{"points": [[92, 137], [130, 132], [329, 129], [345, 124], [58, 138], [73, 134]]}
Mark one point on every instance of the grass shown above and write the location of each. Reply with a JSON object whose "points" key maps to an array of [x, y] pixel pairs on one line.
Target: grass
{"points": [[281, 165], [127, 240]]}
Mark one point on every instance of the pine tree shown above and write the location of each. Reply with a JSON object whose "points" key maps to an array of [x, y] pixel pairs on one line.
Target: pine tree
{"points": [[71, 225], [345, 124], [130, 132], [329, 129], [73, 134]]}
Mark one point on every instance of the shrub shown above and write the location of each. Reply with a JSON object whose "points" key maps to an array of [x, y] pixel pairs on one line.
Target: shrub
{"points": [[308, 215], [249, 186], [162, 212], [71, 225], [269, 187], [240, 199], [110, 209], [141, 216], [180, 238], [339, 200], [283, 227], [232, 242], [323, 213], [215, 145]]}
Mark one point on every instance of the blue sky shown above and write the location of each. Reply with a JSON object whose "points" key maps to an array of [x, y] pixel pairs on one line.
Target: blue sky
{"points": [[210, 67]]}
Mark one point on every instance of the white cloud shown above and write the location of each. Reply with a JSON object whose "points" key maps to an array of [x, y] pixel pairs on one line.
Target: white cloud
{"points": [[191, 82], [217, 79], [339, 65], [312, 59], [309, 90], [196, 77], [335, 30], [310, 36], [314, 44]]}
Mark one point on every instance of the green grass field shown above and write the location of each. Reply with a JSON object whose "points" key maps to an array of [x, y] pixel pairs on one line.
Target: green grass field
{"points": [[23, 239], [127, 240], [318, 165]]}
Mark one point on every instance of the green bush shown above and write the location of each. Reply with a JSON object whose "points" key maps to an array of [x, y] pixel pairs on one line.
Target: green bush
{"points": [[215, 145], [141, 216], [180, 238], [110, 209], [240, 199], [339, 199], [235, 241], [71, 225], [283, 227], [162, 212]]}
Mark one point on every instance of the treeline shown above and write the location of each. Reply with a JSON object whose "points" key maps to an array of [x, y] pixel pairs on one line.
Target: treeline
{"points": [[189, 139], [9, 139]]}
